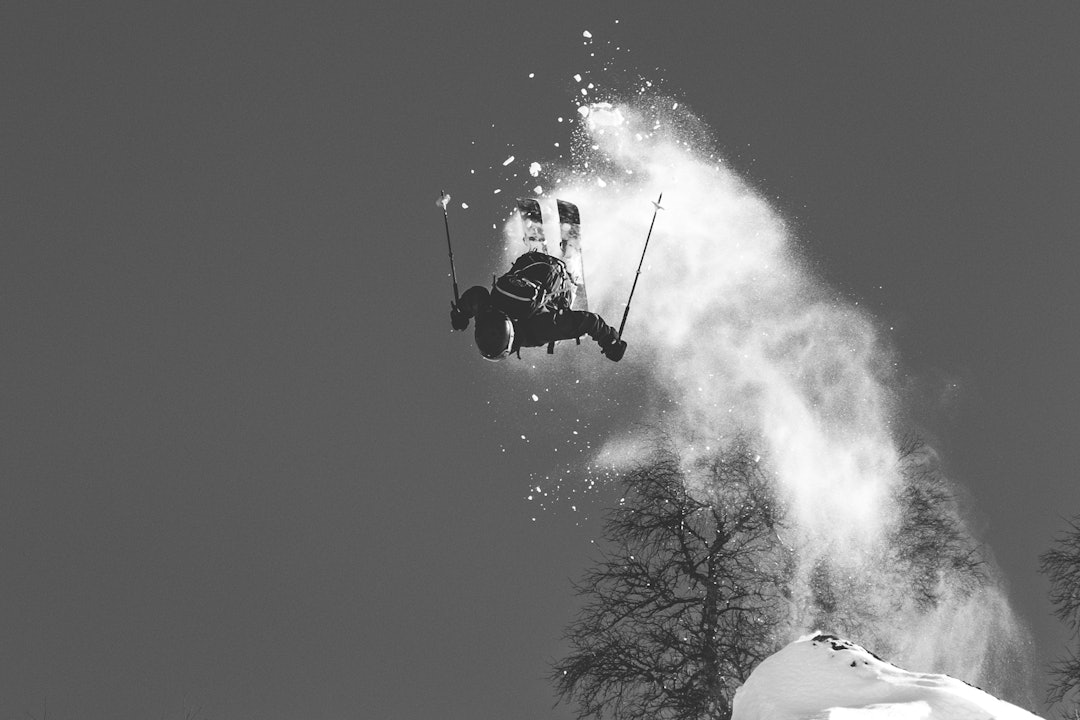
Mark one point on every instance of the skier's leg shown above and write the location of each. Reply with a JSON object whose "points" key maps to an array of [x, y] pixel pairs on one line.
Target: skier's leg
{"points": [[571, 324], [568, 325]]}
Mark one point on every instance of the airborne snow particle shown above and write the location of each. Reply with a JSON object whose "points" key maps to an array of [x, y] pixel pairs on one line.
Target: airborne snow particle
{"points": [[497, 191], [538, 190], [532, 75], [508, 160], [535, 397], [583, 111], [577, 78], [464, 206], [534, 169], [586, 34]]}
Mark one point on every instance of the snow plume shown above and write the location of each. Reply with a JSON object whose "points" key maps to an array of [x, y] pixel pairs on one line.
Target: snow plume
{"points": [[732, 327], [740, 338]]}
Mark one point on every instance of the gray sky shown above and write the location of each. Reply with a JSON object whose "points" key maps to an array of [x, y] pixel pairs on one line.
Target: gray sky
{"points": [[246, 467]]}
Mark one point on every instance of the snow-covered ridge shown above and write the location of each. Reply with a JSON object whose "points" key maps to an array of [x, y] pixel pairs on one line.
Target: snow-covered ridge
{"points": [[822, 677]]}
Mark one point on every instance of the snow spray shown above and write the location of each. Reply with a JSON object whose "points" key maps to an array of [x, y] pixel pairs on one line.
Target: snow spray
{"points": [[740, 338]]}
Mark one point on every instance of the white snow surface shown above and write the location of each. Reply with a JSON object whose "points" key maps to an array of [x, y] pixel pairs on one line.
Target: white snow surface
{"points": [[821, 677]]}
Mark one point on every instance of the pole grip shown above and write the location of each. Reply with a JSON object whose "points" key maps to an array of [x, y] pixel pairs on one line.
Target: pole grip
{"points": [[443, 200]]}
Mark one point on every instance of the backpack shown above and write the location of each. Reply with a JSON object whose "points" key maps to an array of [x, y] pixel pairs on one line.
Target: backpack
{"points": [[535, 283]]}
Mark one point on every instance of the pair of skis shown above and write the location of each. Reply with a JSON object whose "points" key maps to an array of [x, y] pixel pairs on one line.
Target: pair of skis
{"points": [[532, 221], [570, 227]]}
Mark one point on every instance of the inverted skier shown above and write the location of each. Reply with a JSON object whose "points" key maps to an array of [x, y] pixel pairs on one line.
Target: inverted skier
{"points": [[531, 306]]}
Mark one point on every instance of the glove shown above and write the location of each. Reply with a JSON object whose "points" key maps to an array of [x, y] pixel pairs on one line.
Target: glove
{"points": [[615, 350], [458, 319]]}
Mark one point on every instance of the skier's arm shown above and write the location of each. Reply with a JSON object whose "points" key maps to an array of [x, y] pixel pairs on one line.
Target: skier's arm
{"points": [[467, 306]]}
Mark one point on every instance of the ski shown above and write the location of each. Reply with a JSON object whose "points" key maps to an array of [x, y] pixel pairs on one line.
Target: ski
{"points": [[532, 224], [570, 246]]}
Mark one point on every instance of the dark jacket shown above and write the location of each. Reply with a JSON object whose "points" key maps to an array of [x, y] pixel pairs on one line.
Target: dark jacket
{"points": [[545, 327]]}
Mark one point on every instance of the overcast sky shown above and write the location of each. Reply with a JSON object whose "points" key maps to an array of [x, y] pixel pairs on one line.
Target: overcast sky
{"points": [[245, 467]]}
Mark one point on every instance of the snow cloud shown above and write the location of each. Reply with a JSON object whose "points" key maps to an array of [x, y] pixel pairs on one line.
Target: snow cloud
{"points": [[730, 324], [741, 338]]}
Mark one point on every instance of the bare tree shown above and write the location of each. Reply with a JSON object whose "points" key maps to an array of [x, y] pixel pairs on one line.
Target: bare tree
{"points": [[1061, 564], [689, 600], [695, 587], [931, 541], [926, 557]]}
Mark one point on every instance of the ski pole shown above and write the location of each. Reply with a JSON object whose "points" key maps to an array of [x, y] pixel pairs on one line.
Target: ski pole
{"points": [[657, 208], [442, 202]]}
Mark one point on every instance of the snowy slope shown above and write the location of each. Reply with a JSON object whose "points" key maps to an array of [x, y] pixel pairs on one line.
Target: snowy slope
{"points": [[821, 677]]}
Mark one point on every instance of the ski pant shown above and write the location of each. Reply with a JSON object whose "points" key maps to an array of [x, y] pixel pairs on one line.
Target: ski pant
{"points": [[565, 325]]}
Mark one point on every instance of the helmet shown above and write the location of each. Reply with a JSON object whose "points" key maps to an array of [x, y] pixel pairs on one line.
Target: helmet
{"points": [[494, 334]]}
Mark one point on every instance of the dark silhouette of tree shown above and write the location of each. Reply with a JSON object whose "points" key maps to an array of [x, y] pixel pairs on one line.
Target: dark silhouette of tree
{"points": [[696, 587], [690, 599], [1061, 565]]}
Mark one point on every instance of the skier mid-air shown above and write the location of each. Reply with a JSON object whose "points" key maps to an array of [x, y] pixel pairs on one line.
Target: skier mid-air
{"points": [[507, 321], [540, 300]]}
